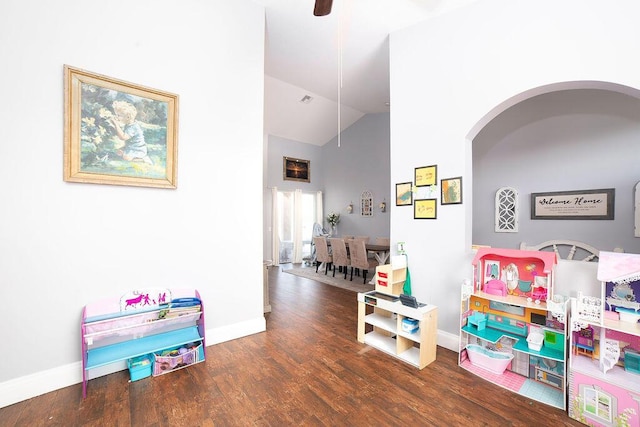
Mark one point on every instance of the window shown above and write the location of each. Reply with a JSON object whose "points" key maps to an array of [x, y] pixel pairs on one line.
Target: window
{"points": [[597, 404], [287, 226]]}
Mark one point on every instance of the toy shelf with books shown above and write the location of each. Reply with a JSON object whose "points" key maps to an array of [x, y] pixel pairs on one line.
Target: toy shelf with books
{"points": [[513, 328], [162, 326], [604, 365]]}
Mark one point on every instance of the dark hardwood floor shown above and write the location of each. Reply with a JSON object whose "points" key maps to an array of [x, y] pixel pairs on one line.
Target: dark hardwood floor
{"points": [[306, 369]]}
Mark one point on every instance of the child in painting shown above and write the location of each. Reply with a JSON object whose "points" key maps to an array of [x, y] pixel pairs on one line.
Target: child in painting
{"points": [[129, 131]]}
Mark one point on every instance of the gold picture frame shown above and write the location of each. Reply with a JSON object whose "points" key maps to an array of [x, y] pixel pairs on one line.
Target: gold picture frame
{"points": [[296, 169], [426, 176], [118, 133], [425, 209]]}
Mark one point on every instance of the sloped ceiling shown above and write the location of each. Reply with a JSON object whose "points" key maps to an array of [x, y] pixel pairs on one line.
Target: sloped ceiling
{"points": [[340, 57]]}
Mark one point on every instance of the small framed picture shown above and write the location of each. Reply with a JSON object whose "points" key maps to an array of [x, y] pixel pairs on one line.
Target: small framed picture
{"points": [[404, 195], [426, 175], [451, 191], [295, 169], [425, 209]]}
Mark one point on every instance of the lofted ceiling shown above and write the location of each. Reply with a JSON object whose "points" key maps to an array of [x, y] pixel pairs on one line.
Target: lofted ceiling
{"points": [[307, 56]]}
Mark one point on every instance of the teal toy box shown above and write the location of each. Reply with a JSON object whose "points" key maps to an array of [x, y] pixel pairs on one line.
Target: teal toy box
{"points": [[409, 325], [140, 367]]}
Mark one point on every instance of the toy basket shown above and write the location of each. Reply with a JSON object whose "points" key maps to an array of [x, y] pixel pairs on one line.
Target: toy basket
{"points": [[139, 367], [172, 359]]}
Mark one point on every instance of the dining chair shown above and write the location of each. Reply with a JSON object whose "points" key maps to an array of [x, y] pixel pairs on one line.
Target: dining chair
{"points": [[382, 241], [339, 254], [359, 259], [365, 239], [322, 253]]}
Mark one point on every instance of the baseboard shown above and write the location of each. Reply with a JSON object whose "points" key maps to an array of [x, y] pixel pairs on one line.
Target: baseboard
{"points": [[237, 330], [36, 384], [28, 386], [448, 340]]}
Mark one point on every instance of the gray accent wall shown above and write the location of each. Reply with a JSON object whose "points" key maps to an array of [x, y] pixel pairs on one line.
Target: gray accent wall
{"points": [[561, 141], [361, 163]]}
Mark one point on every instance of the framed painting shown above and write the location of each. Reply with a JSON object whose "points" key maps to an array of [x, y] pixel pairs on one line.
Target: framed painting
{"points": [[581, 204], [451, 191], [404, 195], [295, 169], [425, 209], [426, 175], [118, 133]]}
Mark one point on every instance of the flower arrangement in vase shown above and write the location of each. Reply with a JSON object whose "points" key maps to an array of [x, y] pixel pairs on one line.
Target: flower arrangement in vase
{"points": [[333, 219]]}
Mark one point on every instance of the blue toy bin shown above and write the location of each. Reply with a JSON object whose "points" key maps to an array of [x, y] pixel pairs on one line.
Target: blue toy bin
{"points": [[140, 367], [410, 325]]}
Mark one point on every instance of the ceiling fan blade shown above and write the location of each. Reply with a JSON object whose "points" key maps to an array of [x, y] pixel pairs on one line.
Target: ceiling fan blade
{"points": [[322, 8]]}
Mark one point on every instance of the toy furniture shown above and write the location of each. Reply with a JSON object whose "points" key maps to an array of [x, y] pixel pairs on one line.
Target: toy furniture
{"points": [[145, 322], [603, 382], [383, 322], [496, 287], [583, 342], [508, 338]]}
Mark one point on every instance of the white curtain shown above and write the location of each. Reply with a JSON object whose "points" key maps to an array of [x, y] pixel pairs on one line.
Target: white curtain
{"points": [[319, 207], [297, 226], [275, 236]]}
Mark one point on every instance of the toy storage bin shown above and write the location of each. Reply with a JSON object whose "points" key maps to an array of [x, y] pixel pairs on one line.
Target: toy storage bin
{"points": [[410, 325], [175, 358], [535, 340], [140, 367]]}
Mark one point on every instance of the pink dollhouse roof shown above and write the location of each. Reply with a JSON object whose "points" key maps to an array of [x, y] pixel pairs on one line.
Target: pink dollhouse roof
{"points": [[549, 259], [618, 267]]}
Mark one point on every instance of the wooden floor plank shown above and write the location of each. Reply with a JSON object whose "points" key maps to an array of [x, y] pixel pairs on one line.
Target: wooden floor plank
{"points": [[307, 369]]}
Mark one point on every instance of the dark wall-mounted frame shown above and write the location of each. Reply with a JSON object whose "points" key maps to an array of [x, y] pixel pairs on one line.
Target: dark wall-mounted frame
{"points": [[426, 175], [425, 209], [451, 191], [404, 194], [296, 169], [580, 204]]}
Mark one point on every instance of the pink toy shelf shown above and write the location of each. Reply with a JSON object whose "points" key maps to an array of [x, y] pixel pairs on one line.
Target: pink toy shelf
{"points": [[141, 323]]}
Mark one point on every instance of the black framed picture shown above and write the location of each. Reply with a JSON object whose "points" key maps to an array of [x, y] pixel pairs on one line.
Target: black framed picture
{"points": [[451, 191], [404, 194], [295, 169]]}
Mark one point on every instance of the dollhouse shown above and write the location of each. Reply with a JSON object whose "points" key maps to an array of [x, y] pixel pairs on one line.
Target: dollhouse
{"points": [[513, 328], [604, 366]]}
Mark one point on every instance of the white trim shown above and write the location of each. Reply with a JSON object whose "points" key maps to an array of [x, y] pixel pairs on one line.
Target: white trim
{"points": [[448, 340]]}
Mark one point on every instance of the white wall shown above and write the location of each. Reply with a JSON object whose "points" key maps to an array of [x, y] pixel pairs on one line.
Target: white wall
{"points": [[64, 245], [453, 74]]}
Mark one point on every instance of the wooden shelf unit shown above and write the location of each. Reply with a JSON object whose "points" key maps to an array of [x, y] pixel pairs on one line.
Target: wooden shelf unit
{"points": [[111, 334], [390, 278], [417, 348]]}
